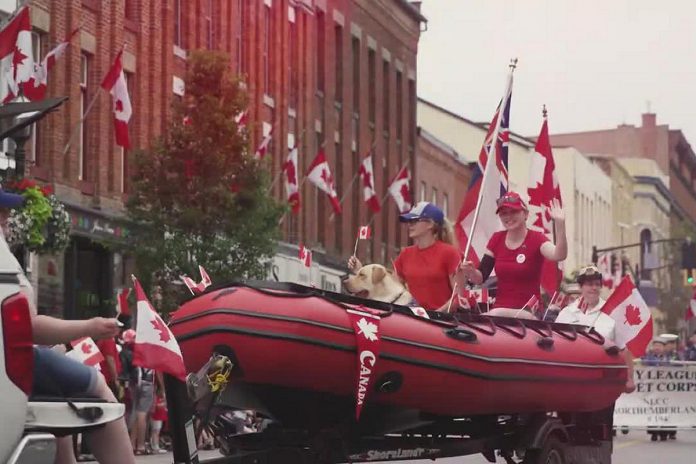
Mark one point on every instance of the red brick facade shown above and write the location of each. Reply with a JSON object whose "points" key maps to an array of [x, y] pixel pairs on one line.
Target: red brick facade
{"points": [[668, 147], [337, 73], [443, 178]]}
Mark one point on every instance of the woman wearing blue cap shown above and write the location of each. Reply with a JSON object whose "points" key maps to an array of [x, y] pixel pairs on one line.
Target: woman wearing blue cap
{"points": [[429, 265]]}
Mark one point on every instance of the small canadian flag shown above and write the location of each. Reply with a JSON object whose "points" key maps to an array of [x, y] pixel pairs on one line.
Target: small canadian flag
{"points": [[532, 304], [123, 307], [691, 309], [306, 256], [196, 288], [364, 233], [85, 351]]}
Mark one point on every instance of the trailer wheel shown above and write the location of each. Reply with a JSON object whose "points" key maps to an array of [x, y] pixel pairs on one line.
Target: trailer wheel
{"points": [[553, 452]]}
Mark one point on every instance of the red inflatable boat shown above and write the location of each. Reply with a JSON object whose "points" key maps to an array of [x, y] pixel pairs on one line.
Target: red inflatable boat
{"points": [[293, 344]]}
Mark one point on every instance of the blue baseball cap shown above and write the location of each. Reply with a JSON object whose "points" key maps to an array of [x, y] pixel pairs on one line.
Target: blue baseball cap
{"points": [[424, 210], [10, 200]]}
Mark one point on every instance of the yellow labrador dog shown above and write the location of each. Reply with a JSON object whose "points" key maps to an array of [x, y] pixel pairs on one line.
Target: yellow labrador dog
{"points": [[375, 282]]}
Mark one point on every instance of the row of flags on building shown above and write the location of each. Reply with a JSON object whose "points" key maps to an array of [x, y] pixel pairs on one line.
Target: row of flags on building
{"points": [[22, 74]]}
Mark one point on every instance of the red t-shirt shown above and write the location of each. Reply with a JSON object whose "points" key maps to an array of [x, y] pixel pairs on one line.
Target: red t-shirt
{"points": [[107, 346], [518, 270], [427, 272]]}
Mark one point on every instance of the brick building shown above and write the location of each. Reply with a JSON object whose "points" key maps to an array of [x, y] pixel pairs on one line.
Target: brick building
{"points": [[334, 74]]}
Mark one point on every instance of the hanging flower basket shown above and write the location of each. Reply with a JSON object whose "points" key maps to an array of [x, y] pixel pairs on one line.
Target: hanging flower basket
{"points": [[42, 225]]}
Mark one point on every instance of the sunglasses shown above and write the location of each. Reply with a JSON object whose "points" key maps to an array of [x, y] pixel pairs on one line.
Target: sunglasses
{"points": [[514, 199], [589, 270]]}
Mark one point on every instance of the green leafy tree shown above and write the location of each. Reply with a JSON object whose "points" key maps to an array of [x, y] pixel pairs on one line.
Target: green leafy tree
{"points": [[674, 297], [199, 196]]}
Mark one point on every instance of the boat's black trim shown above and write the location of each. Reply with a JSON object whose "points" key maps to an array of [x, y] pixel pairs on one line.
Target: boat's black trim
{"points": [[324, 325], [386, 355]]}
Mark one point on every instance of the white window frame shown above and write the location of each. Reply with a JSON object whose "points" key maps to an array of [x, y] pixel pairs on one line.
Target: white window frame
{"points": [[84, 75]]}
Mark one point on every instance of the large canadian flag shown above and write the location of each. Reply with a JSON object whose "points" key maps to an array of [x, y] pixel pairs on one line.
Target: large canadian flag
{"points": [[35, 88], [400, 190], [320, 175], [634, 324], [262, 150], [543, 189], [115, 83], [292, 184], [691, 309], [488, 182], [16, 56], [155, 346], [367, 175]]}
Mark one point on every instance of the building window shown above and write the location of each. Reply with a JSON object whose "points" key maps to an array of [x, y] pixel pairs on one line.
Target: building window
{"points": [[37, 47], [82, 167], [178, 29], [292, 62], [338, 60], [241, 31], [434, 199], [130, 11], [209, 33], [355, 49], [412, 113], [423, 189], [372, 84], [338, 174], [321, 213], [445, 204], [399, 106], [321, 53], [267, 49], [123, 186], [385, 95]]}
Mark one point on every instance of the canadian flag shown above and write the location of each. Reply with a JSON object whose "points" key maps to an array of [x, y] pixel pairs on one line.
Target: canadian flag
{"points": [[604, 266], [115, 83], [292, 185], [122, 297], [305, 256], [16, 56], [196, 288], [263, 147], [691, 309], [85, 351], [634, 324], [532, 304], [35, 88], [543, 189], [364, 232], [419, 311], [155, 346], [481, 295], [320, 175], [241, 119], [367, 176], [400, 190]]}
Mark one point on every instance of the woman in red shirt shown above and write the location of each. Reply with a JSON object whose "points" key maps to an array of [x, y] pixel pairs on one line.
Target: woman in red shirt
{"points": [[429, 265], [517, 253]]}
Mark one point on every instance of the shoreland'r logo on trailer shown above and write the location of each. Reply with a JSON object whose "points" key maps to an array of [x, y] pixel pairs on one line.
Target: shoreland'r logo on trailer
{"points": [[377, 455]]}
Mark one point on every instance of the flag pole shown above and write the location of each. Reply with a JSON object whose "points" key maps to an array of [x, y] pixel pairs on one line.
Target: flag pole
{"points": [[77, 126], [352, 182], [381, 202], [491, 159]]}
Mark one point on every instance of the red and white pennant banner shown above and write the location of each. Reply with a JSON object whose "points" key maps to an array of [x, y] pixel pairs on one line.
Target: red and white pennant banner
{"points": [[367, 337]]}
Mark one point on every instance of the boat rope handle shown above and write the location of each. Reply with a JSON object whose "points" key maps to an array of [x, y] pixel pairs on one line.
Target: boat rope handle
{"points": [[509, 329], [474, 326], [562, 332]]}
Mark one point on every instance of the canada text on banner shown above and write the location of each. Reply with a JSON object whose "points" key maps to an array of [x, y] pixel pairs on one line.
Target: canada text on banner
{"points": [[664, 397]]}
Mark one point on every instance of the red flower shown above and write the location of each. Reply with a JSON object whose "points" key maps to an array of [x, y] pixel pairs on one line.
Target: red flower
{"points": [[25, 184], [47, 190]]}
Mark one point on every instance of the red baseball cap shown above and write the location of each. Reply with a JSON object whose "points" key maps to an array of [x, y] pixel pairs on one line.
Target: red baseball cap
{"points": [[510, 200]]}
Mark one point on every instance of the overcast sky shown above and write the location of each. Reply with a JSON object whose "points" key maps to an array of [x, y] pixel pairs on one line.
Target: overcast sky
{"points": [[595, 63]]}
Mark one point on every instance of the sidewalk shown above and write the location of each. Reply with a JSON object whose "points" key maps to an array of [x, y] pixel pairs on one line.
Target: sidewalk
{"points": [[168, 458]]}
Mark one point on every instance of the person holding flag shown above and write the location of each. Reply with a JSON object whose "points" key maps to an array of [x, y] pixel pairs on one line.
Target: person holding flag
{"points": [[587, 311], [517, 255], [427, 267]]}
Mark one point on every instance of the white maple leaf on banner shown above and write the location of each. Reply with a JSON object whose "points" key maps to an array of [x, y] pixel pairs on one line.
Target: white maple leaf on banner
{"points": [[367, 329]]}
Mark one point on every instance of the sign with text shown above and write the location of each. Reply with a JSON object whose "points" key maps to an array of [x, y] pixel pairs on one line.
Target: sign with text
{"points": [[665, 396]]}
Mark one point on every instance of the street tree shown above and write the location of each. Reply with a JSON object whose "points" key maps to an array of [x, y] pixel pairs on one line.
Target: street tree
{"points": [[198, 195]]}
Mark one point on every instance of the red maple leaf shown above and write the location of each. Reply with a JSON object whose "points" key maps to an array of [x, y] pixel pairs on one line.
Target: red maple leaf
{"points": [[119, 106], [17, 58], [161, 328], [632, 315], [405, 193], [86, 348], [327, 178], [367, 179], [290, 172]]}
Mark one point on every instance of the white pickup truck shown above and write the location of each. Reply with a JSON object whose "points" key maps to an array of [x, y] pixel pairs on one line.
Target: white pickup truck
{"points": [[27, 434]]}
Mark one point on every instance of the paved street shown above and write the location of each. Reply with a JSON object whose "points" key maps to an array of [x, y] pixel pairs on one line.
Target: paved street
{"points": [[634, 448]]}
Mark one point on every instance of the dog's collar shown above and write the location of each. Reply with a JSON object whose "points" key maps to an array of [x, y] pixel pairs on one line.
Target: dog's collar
{"points": [[397, 297]]}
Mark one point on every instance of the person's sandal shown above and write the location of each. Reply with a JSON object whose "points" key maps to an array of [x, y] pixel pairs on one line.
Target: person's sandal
{"points": [[140, 452]]}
